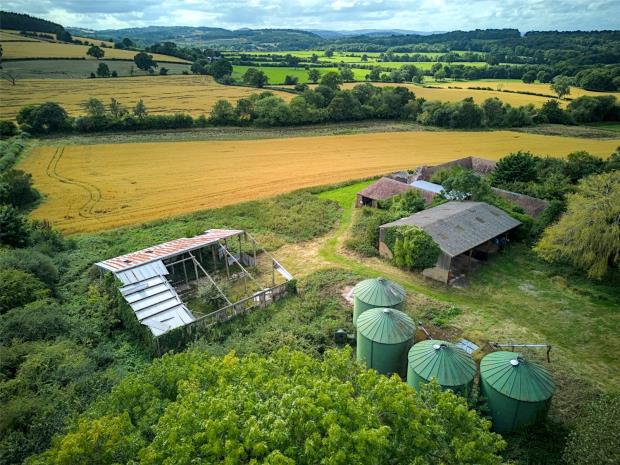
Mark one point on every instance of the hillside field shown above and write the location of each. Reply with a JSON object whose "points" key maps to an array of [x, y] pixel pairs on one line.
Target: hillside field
{"points": [[515, 85], [49, 50], [276, 74], [79, 69], [102, 186], [161, 94]]}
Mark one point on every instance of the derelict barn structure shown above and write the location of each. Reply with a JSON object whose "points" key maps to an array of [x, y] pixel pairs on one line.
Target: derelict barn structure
{"points": [[463, 231], [157, 282]]}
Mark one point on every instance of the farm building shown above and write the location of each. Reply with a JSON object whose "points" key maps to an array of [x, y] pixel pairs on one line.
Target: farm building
{"points": [[155, 280], [480, 166], [530, 205], [463, 231], [383, 189]]}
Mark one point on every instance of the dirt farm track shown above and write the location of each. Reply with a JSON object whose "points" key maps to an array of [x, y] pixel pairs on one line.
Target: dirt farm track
{"points": [[96, 187]]}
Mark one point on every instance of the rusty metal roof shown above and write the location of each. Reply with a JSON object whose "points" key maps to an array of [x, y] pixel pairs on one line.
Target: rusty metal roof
{"points": [[460, 226], [166, 250], [385, 188]]}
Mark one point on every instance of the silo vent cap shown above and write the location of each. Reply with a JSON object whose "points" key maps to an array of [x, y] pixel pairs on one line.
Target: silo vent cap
{"points": [[387, 310], [514, 362]]}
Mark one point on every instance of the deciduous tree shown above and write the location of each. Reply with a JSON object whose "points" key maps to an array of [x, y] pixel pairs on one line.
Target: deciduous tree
{"points": [[588, 234]]}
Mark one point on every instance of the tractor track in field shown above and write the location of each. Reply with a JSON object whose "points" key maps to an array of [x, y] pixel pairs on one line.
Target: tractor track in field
{"points": [[94, 194]]}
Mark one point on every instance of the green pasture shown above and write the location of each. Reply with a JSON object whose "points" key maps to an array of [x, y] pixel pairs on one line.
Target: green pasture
{"points": [[276, 75]]}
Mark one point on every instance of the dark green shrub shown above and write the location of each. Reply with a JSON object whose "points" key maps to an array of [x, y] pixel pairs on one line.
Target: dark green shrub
{"points": [[7, 129], [41, 319], [30, 261], [414, 248], [19, 288], [13, 229], [365, 231], [16, 189], [519, 166]]}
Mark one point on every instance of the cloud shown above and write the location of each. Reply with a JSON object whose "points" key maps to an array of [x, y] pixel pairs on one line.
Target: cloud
{"points": [[423, 15]]}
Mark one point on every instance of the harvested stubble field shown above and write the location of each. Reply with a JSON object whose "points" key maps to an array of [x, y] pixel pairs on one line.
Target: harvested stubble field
{"points": [[514, 85], [96, 187], [161, 94], [456, 95], [42, 49]]}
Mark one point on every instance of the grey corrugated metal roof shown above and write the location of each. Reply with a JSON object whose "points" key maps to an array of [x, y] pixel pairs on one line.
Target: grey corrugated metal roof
{"points": [[156, 304], [427, 186], [142, 272], [460, 226]]}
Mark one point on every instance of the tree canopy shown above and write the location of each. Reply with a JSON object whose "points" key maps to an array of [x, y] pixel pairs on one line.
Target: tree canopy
{"points": [[588, 234], [288, 408]]}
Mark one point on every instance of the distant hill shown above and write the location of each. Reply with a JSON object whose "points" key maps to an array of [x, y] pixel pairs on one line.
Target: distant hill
{"points": [[23, 22], [241, 39]]}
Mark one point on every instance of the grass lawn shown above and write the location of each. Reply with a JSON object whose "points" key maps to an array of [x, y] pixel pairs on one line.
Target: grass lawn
{"points": [[609, 126]]}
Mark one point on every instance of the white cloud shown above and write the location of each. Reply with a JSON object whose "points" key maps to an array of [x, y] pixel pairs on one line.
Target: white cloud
{"points": [[429, 15]]}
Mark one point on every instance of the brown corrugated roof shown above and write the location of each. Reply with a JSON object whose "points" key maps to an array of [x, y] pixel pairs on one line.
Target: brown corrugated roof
{"points": [[166, 250], [460, 226], [385, 188]]}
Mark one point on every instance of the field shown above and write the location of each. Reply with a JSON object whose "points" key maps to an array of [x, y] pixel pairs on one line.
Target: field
{"points": [[95, 187], [161, 94], [277, 74], [456, 95], [91, 40], [76, 69], [40, 49], [519, 86]]}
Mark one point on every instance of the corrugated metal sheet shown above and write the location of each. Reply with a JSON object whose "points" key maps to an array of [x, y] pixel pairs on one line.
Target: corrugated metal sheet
{"points": [[427, 186], [379, 292], [440, 360], [514, 376], [166, 250], [156, 304], [460, 226], [142, 272], [386, 326]]}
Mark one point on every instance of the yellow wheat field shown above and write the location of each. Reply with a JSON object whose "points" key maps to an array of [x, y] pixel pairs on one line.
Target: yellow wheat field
{"points": [[92, 40], [520, 86], [41, 49], [444, 93], [95, 187], [161, 94]]}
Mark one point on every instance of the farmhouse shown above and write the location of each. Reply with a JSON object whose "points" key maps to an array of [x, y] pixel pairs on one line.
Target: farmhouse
{"points": [[463, 230], [155, 279], [383, 189]]}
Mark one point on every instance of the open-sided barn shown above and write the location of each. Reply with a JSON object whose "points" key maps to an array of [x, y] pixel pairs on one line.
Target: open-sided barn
{"points": [[461, 229]]}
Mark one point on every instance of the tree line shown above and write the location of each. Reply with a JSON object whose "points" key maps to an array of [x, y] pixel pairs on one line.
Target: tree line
{"points": [[326, 103]]}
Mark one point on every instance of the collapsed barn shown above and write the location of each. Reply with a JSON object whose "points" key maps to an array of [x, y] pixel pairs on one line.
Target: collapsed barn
{"points": [[464, 231], [160, 283]]}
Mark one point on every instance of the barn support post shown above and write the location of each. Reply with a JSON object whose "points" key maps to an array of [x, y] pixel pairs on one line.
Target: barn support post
{"points": [[469, 261], [185, 272], [226, 259]]}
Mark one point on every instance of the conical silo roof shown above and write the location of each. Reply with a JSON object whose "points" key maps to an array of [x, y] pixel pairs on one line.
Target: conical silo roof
{"points": [[445, 362], [379, 292], [511, 374], [385, 326]]}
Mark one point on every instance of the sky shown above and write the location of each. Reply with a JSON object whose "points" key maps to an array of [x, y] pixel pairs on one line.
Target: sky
{"points": [[417, 15]]}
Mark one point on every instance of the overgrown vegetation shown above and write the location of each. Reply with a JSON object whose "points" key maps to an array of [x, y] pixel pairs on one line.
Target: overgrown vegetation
{"points": [[326, 103], [296, 409], [61, 340]]}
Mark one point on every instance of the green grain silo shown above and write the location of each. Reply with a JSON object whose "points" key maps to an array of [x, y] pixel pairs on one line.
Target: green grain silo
{"points": [[451, 366], [384, 336], [377, 293], [518, 392]]}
